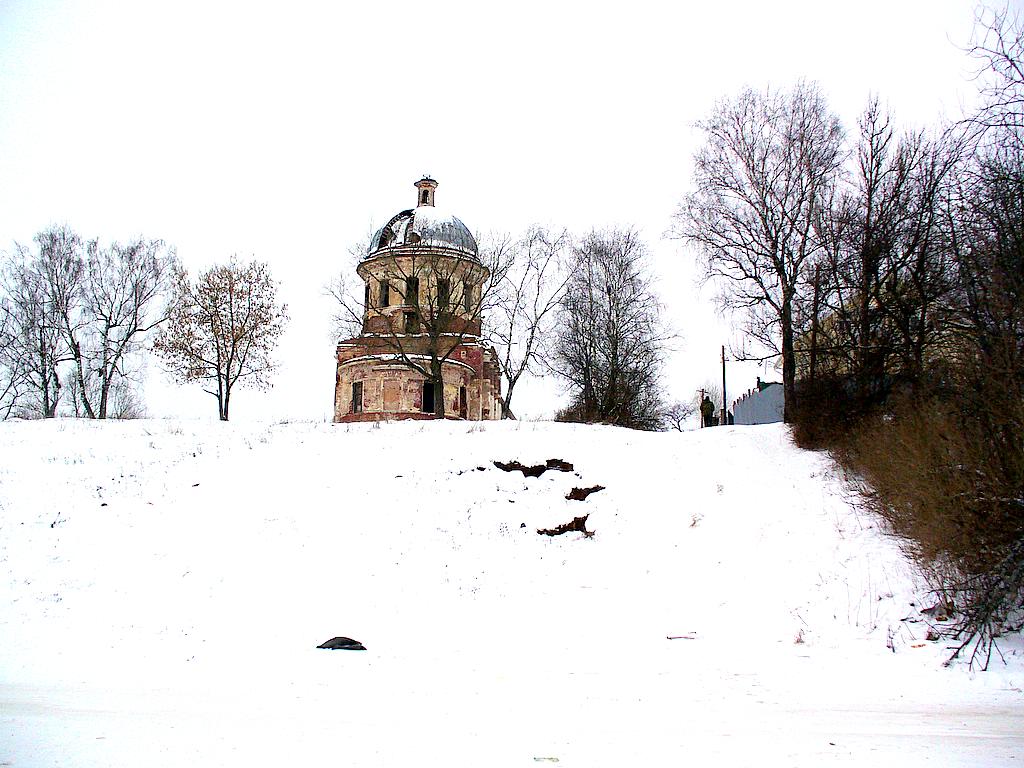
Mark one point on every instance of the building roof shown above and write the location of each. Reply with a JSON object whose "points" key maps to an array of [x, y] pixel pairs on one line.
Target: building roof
{"points": [[425, 225]]}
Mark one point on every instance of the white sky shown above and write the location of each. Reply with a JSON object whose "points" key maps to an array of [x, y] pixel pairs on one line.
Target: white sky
{"points": [[287, 131]]}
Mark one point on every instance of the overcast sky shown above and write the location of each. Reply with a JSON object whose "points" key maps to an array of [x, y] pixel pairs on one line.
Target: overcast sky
{"points": [[287, 131]]}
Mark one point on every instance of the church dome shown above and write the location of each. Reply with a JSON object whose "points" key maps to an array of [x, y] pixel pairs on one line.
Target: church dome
{"points": [[424, 225]]}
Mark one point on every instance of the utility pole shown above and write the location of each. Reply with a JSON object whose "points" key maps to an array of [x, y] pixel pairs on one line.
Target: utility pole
{"points": [[725, 410]]}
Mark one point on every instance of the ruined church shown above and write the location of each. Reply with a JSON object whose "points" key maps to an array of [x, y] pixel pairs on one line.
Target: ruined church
{"points": [[423, 284]]}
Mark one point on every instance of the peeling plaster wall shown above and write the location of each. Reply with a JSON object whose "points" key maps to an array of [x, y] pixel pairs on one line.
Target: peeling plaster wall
{"points": [[395, 391]]}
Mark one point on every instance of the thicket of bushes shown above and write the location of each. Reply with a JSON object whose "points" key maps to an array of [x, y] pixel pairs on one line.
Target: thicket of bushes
{"points": [[934, 441], [944, 468], [910, 355]]}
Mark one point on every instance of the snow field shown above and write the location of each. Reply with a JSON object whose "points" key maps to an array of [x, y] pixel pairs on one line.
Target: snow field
{"points": [[163, 587]]}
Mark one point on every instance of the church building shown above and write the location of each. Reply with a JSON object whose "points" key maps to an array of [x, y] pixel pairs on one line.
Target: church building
{"points": [[420, 337]]}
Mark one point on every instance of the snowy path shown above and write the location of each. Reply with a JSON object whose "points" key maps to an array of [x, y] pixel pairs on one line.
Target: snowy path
{"points": [[170, 614]]}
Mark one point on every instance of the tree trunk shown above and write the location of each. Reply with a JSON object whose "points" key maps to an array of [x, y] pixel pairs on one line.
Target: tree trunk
{"points": [[788, 362], [49, 405], [506, 400], [506, 411], [83, 393], [223, 397], [104, 396], [438, 379]]}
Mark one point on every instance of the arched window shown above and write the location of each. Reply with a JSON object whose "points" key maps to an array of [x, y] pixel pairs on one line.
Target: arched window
{"points": [[357, 397]]}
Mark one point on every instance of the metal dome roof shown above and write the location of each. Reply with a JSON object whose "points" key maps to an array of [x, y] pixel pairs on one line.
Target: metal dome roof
{"points": [[424, 225]]}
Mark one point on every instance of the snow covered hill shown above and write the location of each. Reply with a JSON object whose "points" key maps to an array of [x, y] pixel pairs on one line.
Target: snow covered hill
{"points": [[164, 585]]}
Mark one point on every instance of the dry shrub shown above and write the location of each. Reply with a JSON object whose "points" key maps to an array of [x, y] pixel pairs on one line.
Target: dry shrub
{"points": [[828, 410], [947, 475], [911, 462]]}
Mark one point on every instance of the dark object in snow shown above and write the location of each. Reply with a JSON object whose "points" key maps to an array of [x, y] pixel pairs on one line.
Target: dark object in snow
{"points": [[342, 644], [561, 466], [580, 494], [537, 469], [577, 524]]}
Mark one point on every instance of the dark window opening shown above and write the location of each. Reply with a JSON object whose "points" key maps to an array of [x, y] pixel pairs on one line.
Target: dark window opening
{"points": [[424, 196], [428, 397], [411, 324], [385, 293], [412, 290], [357, 397], [463, 405], [444, 293], [366, 299], [467, 298], [412, 238]]}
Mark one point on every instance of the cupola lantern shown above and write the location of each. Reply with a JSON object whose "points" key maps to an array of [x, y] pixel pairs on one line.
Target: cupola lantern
{"points": [[425, 191]]}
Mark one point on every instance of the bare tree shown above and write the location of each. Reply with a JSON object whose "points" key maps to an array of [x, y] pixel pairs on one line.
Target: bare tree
{"points": [[12, 379], [105, 301], [885, 275], [677, 414], [33, 348], [525, 304], [421, 303], [124, 289], [351, 300], [768, 167], [998, 47], [609, 341], [857, 231], [223, 329]]}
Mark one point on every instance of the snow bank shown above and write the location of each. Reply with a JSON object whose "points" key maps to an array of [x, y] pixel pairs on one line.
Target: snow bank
{"points": [[164, 585]]}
